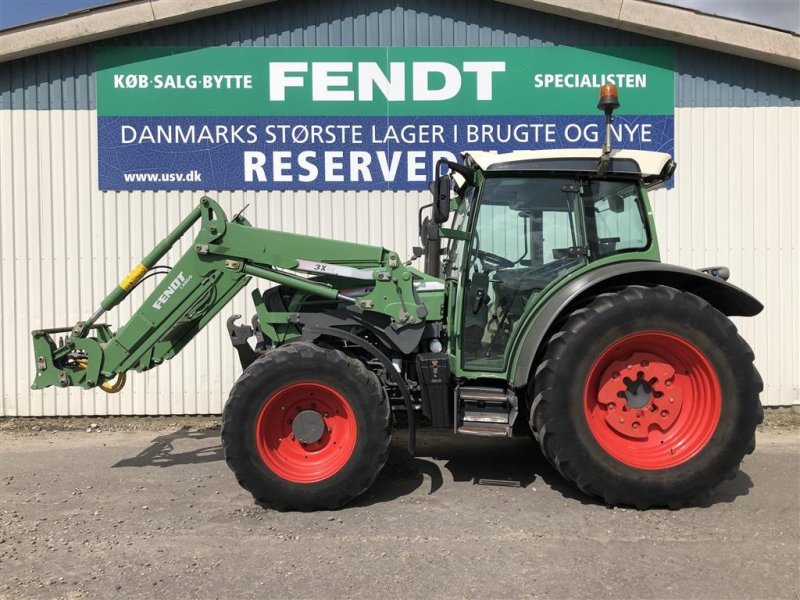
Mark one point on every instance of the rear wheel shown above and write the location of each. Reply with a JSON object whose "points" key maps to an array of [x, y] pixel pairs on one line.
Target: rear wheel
{"points": [[647, 396], [306, 428]]}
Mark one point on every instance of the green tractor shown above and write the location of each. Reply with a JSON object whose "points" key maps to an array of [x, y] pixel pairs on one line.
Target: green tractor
{"points": [[543, 309]]}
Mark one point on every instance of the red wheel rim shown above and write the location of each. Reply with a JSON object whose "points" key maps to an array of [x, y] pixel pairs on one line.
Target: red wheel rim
{"points": [[652, 400], [287, 456]]}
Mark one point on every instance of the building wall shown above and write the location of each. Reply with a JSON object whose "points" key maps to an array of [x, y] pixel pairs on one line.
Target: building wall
{"points": [[64, 244]]}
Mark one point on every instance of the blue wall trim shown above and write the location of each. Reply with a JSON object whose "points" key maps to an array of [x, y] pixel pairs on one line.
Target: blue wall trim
{"points": [[64, 79]]}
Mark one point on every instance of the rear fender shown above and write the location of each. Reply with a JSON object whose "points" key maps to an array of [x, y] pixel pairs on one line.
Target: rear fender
{"points": [[725, 297]]}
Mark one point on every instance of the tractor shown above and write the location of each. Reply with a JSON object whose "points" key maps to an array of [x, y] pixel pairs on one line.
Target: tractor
{"points": [[542, 309]]}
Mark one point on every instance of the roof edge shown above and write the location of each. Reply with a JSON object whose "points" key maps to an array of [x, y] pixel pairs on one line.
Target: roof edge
{"points": [[107, 21], [653, 19], [680, 25]]}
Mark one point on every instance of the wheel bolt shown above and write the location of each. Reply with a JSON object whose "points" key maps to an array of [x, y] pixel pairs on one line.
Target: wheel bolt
{"points": [[635, 425], [622, 420], [664, 413], [638, 414], [668, 382], [644, 363], [671, 400], [611, 406], [615, 375]]}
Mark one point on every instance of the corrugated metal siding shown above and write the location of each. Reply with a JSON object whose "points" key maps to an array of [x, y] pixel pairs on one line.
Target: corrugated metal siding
{"points": [[65, 79], [63, 244], [735, 203]]}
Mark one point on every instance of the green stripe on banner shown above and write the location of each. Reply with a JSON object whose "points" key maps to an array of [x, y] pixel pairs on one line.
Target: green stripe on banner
{"points": [[175, 81]]}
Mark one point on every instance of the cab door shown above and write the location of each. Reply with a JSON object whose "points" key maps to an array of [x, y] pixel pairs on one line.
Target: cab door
{"points": [[527, 233]]}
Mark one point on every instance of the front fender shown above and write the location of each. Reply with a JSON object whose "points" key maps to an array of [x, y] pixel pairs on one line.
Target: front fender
{"points": [[724, 296]]}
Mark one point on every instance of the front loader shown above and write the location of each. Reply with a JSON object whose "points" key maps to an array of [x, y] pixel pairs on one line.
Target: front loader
{"points": [[543, 309]]}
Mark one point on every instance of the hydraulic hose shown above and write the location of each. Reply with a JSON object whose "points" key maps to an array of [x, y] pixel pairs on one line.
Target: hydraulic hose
{"points": [[138, 272], [106, 386]]}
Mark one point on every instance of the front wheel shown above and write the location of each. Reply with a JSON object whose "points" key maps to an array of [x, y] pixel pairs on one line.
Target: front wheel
{"points": [[306, 428], [647, 396]]}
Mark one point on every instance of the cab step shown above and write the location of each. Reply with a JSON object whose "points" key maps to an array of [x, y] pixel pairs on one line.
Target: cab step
{"points": [[485, 411]]}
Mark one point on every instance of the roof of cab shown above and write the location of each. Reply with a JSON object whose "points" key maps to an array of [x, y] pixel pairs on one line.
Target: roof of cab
{"points": [[648, 163]]}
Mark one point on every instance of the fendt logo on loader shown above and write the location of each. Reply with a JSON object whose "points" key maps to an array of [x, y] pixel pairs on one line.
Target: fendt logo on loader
{"points": [[177, 283]]}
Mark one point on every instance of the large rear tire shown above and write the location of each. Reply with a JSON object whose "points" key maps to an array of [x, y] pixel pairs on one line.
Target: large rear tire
{"points": [[306, 428], [647, 397]]}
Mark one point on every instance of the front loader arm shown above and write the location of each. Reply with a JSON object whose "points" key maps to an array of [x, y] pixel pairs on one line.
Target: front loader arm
{"points": [[225, 255], [181, 304]]}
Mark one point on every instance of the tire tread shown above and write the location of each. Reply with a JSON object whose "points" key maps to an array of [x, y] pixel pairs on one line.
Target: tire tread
{"points": [[553, 436], [233, 412]]}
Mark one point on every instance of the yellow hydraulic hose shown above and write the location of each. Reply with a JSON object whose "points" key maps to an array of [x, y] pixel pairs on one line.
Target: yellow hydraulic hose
{"points": [[106, 386], [113, 388]]}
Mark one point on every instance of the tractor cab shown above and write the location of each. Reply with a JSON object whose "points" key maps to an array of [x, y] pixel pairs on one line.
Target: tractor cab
{"points": [[526, 220]]}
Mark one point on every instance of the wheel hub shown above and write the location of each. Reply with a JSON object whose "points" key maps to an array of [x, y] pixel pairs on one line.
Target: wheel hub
{"points": [[639, 396], [308, 426], [652, 400], [306, 432], [638, 393]]}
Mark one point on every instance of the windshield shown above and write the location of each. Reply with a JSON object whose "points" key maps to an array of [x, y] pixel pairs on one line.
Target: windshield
{"points": [[528, 232]]}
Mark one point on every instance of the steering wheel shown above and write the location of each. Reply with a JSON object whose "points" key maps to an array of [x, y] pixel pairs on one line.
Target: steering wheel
{"points": [[491, 261]]}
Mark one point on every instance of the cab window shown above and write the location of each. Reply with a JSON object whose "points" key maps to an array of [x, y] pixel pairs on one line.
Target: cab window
{"points": [[615, 219]]}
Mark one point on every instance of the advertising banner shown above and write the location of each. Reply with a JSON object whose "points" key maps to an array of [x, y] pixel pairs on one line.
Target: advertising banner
{"points": [[359, 118]]}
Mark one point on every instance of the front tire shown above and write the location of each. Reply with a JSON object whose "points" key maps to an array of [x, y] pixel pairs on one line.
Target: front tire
{"points": [[306, 428], [647, 397]]}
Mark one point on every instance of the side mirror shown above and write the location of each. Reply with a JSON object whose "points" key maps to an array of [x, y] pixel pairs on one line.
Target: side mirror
{"points": [[440, 188], [616, 203]]}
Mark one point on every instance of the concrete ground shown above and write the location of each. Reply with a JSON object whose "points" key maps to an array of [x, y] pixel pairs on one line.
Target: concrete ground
{"points": [[157, 514]]}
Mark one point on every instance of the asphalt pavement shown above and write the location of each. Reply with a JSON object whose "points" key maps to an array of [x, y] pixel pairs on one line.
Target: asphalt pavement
{"points": [[157, 514]]}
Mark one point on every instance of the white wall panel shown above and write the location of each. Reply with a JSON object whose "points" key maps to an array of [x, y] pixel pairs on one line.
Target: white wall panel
{"points": [[64, 245], [736, 203]]}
